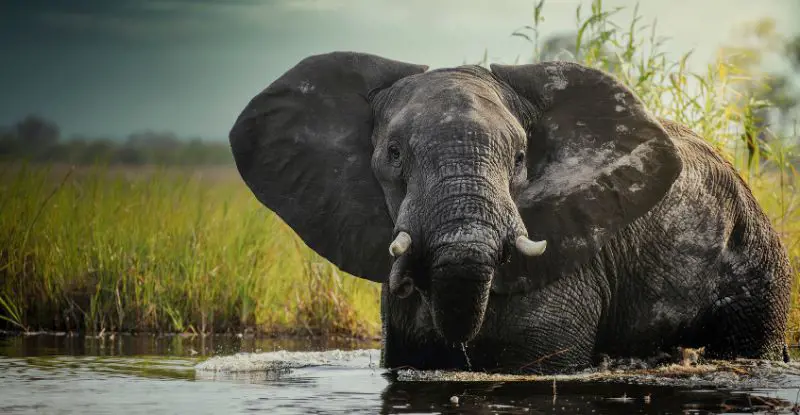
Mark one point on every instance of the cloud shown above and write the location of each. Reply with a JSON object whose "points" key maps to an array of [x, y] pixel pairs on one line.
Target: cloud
{"points": [[126, 26], [157, 19], [315, 5]]}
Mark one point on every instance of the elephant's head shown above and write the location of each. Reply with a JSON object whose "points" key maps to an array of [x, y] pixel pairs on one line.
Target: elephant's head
{"points": [[461, 173]]}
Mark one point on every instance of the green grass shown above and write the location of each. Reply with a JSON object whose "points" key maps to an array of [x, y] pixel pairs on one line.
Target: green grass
{"points": [[163, 250], [192, 250]]}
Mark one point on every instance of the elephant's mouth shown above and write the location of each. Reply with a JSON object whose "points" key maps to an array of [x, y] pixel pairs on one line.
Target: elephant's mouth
{"points": [[456, 285]]}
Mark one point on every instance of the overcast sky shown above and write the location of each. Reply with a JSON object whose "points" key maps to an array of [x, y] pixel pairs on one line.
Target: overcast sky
{"points": [[107, 68]]}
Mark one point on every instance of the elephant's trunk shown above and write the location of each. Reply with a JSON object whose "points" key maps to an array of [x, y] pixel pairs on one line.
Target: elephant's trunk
{"points": [[459, 297], [469, 238], [470, 225]]}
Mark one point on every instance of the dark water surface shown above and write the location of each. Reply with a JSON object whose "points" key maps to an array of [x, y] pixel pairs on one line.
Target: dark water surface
{"points": [[216, 374]]}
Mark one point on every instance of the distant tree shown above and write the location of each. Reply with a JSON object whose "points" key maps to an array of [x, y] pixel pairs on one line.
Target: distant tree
{"points": [[153, 139], [129, 155], [8, 142], [155, 147], [97, 151], [36, 134], [37, 139], [74, 148]]}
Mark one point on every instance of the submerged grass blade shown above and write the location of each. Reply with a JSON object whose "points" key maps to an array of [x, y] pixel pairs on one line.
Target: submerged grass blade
{"points": [[13, 313]]}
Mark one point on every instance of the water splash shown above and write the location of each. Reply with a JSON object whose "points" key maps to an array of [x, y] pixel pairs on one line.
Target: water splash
{"points": [[740, 373], [284, 360], [466, 357]]}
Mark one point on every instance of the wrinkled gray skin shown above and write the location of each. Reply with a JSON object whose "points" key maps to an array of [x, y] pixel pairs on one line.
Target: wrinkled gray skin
{"points": [[653, 241]]}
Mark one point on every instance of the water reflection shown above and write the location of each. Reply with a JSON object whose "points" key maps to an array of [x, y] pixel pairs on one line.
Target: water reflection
{"points": [[574, 397], [159, 374], [165, 345]]}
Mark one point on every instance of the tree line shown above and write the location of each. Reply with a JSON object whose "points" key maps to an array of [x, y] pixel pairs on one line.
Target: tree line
{"points": [[37, 139]]}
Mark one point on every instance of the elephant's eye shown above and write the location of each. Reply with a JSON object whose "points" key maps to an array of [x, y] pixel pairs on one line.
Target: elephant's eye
{"points": [[393, 152], [519, 158]]}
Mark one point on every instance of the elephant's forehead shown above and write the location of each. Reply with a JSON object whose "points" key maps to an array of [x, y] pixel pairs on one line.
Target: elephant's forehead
{"points": [[426, 128], [460, 102], [452, 90]]}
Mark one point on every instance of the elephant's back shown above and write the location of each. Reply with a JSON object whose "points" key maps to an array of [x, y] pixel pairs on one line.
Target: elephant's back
{"points": [[705, 203], [751, 268], [711, 195], [716, 220], [706, 238], [714, 187]]}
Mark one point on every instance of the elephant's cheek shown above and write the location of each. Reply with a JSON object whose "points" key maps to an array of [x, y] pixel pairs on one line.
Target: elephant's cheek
{"points": [[458, 307]]}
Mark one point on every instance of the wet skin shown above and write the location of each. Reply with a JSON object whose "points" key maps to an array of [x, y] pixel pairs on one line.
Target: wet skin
{"points": [[518, 333], [653, 241]]}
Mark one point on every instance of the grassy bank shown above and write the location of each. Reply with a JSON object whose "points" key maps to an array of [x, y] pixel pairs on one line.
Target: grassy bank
{"points": [[163, 250], [191, 250]]}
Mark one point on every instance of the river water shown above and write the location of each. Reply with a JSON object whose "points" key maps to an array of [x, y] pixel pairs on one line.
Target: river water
{"points": [[228, 374]]}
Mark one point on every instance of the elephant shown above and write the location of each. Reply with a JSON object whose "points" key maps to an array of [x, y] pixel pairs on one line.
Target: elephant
{"points": [[520, 218]]}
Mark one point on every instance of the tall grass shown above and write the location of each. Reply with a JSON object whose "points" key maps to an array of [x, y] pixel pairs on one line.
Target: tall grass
{"points": [[182, 250], [163, 250]]}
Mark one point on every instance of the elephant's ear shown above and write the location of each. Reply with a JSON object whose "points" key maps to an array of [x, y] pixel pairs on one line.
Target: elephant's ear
{"points": [[597, 160], [303, 147]]}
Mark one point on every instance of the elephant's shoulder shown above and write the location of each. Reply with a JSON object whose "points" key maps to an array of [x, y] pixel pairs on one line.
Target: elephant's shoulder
{"points": [[676, 129], [710, 190], [685, 138], [693, 148]]}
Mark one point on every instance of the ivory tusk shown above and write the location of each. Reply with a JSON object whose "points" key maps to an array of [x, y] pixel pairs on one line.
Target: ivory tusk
{"points": [[530, 248], [400, 244]]}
